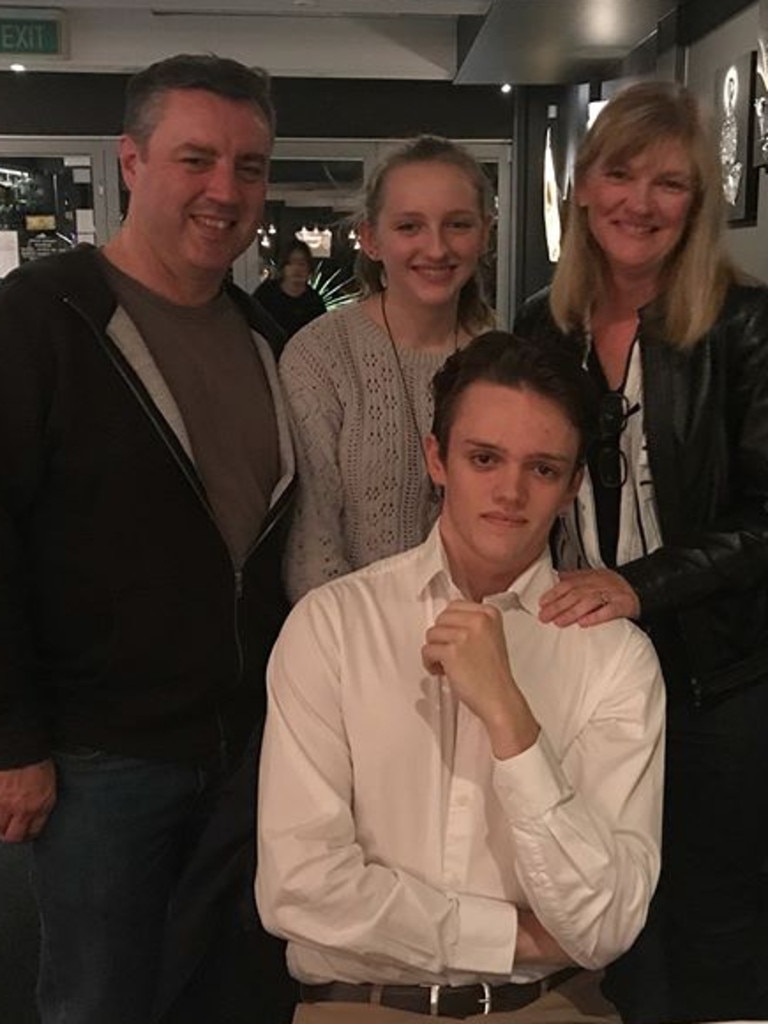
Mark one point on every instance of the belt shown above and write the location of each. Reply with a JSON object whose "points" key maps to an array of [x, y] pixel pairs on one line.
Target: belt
{"points": [[457, 1001]]}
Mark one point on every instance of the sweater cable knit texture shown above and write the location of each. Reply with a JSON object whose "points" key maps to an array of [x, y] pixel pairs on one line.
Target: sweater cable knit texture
{"points": [[364, 491]]}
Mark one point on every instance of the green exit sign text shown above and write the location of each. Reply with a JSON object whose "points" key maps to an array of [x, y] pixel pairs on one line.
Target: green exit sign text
{"points": [[19, 35]]}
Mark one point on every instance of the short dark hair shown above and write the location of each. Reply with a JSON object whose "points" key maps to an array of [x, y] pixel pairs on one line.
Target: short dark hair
{"points": [[548, 368], [295, 245], [207, 72]]}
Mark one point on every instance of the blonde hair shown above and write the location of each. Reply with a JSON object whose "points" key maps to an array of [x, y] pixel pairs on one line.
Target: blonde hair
{"points": [[474, 311], [697, 273]]}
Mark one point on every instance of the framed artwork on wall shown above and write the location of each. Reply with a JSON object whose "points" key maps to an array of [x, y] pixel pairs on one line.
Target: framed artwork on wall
{"points": [[760, 153], [734, 105], [552, 221]]}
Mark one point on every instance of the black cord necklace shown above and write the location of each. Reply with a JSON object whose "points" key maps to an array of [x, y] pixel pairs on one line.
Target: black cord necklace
{"points": [[435, 494]]}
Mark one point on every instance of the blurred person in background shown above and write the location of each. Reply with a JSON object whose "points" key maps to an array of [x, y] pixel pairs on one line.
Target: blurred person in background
{"points": [[289, 297]]}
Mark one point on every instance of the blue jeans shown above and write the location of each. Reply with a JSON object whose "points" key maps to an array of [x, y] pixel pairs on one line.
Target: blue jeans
{"points": [[104, 870]]}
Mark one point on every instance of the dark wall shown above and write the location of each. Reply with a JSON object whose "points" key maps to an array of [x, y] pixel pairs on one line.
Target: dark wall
{"points": [[697, 18], [690, 21], [45, 103], [533, 269], [48, 103], [534, 104], [389, 109]]}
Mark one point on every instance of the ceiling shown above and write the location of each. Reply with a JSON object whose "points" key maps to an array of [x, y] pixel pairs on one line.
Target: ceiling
{"points": [[284, 8], [548, 41], [468, 41]]}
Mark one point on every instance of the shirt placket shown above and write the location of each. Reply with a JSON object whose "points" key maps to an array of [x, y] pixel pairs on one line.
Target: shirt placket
{"points": [[460, 803]]}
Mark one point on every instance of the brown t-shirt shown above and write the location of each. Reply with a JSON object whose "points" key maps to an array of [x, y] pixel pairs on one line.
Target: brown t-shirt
{"points": [[213, 370]]}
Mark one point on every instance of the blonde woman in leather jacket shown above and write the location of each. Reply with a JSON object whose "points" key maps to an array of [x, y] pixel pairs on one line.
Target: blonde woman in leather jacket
{"points": [[671, 526]]}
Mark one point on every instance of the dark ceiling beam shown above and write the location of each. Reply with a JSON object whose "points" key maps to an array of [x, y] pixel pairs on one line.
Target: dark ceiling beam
{"points": [[697, 18], [544, 42], [467, 28]]}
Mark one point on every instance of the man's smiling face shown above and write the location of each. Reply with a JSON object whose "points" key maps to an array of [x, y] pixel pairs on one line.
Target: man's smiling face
{"points": [[198, 185]]}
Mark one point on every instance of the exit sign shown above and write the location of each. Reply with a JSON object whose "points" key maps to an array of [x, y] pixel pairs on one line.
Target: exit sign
{"points": [[30, 32]]}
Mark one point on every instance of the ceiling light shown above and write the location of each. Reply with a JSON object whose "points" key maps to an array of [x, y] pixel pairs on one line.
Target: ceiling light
{"points": [[506, 88], [18, 67]]}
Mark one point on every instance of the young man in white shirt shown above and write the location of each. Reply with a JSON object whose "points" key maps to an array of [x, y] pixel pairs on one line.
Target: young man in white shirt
{"points": [[460, 805]]}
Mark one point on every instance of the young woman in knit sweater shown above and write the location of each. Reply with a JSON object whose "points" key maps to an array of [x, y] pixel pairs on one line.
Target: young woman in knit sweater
{"points": [[358, 379]]}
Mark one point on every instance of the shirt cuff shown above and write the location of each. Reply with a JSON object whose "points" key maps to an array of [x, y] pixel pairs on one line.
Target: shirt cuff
{"points": [[487, 936], [531, 783]]}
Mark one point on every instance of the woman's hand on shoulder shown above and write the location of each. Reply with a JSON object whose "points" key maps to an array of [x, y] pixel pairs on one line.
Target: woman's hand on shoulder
{"points": [[589, 597]]}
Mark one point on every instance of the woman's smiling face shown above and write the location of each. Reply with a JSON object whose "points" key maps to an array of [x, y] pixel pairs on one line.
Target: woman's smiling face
{"points": [[638, 209]]}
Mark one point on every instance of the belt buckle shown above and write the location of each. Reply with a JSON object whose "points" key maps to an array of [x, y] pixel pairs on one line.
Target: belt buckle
{"points": [[434, 1000], [486, 1001]]}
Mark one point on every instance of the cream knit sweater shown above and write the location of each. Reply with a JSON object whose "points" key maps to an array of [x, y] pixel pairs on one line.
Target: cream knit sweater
{"points": [[363, 486]]}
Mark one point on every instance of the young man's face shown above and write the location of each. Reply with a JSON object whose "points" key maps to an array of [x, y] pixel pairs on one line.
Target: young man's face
{"points": [[197, 186], [510, 469]]}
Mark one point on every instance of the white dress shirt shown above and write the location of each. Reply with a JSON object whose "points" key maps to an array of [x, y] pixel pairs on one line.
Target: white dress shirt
{"points": [[393, 846]]}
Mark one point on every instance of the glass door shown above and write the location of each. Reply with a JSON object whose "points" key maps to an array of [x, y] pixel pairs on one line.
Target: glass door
{"points": [[54, 194]]}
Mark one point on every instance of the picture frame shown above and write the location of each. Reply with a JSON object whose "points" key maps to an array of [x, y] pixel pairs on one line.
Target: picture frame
{"points": [[760, 102], [735, 123]]}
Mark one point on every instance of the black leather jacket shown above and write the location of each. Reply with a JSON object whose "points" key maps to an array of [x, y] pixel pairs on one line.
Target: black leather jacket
{"points": [[704, 593]]}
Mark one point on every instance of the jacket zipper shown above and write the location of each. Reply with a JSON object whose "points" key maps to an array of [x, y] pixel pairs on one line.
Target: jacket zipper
{"points": [[127, 374], [129, 377]]}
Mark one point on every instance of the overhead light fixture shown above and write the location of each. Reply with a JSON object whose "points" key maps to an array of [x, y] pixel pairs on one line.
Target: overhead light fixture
{"points": [[18, 67], [10, 175], [506, 88]]}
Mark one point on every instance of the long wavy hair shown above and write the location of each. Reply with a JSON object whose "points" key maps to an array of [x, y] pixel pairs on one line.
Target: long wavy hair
{"points": [[697, 272], [474, 311]]}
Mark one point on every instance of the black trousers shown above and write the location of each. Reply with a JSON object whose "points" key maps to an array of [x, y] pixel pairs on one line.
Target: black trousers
{"points": [[704, 952], [220, 966]]}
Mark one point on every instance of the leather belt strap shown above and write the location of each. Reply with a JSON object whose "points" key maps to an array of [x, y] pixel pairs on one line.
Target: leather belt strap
{"points": [[439, 1000]]}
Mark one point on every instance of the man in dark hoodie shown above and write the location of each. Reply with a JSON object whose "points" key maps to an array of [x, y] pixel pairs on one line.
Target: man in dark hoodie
{"points": [[145, 479]]}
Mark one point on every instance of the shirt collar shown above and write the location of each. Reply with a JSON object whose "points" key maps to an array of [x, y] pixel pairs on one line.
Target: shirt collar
{"points": [[433, 576]]}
